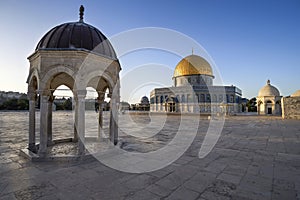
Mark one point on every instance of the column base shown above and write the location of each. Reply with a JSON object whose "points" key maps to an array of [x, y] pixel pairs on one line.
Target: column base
{"points": [[32, 147]]}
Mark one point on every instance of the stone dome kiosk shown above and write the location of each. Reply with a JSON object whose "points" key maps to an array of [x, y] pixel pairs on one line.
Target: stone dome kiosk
{"points": [[76, 55], [269, 100]]}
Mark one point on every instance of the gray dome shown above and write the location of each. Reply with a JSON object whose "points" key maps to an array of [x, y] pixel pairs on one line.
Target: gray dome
{"points": [[144, 100], [77, 36]]}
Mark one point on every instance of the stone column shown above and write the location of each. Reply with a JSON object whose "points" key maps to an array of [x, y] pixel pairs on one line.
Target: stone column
{"points": [[114, 117], [75, 103], [100, 116], [31, 139], [43, 124], [49, 124], [81, 121]]}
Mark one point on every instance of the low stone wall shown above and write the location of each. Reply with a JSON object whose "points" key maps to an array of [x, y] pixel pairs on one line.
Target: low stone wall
{"points": [[290, 107]]}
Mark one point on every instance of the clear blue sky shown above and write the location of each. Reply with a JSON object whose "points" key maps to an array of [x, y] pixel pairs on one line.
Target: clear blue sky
{"points": [[250, 41]]}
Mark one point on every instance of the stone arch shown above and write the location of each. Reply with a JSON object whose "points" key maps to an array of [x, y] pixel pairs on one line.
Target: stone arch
{"points": [[100, 81], [33, 75], [46, 79], [33, 84]]}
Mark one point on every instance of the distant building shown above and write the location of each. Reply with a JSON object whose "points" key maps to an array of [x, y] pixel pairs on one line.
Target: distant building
{"points": [[12, 95], [144, 105], [124, 106], [268, 100], [194, 92]]}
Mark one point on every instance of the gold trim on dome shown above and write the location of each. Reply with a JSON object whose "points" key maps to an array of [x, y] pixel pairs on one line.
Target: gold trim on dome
{"points": [[193, 65]]}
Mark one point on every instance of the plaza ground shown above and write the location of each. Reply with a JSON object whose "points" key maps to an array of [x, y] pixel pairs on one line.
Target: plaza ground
{"points": [[256, 157]]}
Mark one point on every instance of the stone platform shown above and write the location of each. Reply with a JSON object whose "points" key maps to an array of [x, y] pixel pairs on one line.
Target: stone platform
{"points": [[255, 158]]}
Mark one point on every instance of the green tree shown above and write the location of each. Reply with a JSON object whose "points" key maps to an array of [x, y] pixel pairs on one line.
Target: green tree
{"points": [[251, 105], [67, 105]]}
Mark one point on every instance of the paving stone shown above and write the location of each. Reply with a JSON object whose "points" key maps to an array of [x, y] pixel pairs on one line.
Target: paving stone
{"points": [[279, 194], [251, 195], [209, 195], [222, 188], [183, 193], [142, 195], [159, 190], [256, 183], [35, 192], [140, 182], [200, 181], [171, 182], [235, 179], [10, 196]]}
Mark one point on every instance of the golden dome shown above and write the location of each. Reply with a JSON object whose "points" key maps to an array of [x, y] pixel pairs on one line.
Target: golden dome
{"points": [[193, 65]]}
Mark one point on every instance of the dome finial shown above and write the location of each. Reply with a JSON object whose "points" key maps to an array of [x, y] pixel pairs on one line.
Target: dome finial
{"points": [[268, 81], [81, 13], [192, 50]]}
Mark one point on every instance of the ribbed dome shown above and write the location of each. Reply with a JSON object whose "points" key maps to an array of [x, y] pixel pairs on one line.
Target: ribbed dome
{"points": [[77, 36], [193, 65], [296, 94], [268, 90]]}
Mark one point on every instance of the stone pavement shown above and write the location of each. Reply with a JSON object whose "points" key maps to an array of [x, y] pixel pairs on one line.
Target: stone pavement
{"points": [[255, 158]]}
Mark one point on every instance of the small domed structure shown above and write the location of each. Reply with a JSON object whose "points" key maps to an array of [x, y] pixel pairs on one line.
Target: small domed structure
{"points": [[193, 70], [296, 94], [269, 100], [79, 56]]}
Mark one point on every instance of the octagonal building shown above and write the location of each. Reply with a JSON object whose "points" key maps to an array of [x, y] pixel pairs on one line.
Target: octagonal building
{"points": [[79, 56], [193, 91]]}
